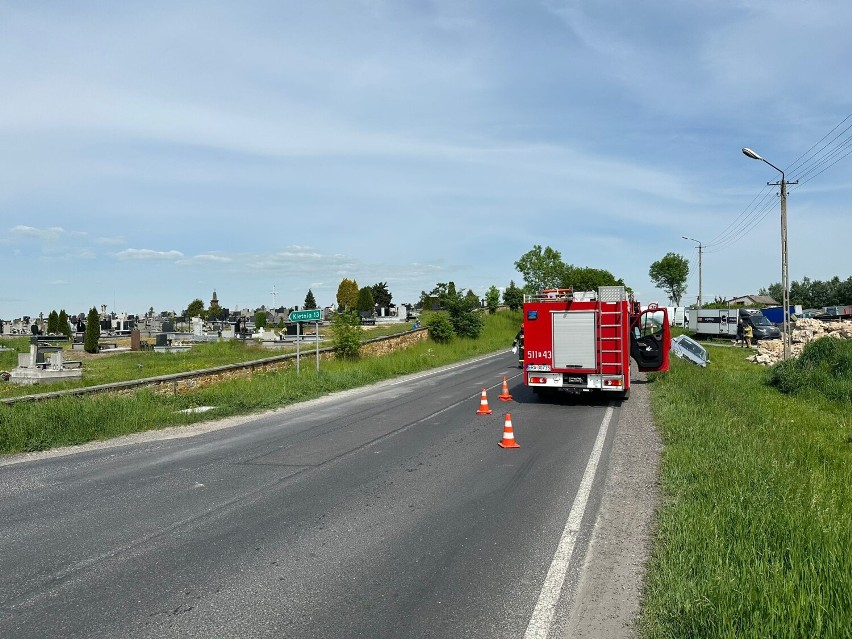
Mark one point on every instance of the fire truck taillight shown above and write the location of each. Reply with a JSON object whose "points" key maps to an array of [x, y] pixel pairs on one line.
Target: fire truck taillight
{"points": [[612, 382], [538, 380]]}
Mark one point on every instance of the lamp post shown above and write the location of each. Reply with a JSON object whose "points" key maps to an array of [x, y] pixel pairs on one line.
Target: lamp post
{"points": [[785, 282], [700, 249]]}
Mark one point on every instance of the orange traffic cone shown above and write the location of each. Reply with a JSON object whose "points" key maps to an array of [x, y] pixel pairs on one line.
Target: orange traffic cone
{"points": [[505, 396], [483, 405], [508, 435]]}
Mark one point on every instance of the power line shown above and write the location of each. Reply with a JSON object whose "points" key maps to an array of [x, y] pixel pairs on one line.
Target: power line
{"points": [[740, 227], [803, 177], [820, 157], [793, 166]]}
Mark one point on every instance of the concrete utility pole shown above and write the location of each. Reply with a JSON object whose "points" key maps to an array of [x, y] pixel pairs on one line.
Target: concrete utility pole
{"points": [[700, 250], [786, 337]]}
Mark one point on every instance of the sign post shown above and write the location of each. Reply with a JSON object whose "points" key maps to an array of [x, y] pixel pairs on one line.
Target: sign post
{"points": [[312, 315]]}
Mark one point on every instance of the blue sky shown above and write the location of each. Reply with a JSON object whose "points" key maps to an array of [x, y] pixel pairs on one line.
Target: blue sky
{"points": [[153, 152]]}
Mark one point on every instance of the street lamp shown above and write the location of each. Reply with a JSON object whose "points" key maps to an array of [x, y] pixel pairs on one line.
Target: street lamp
{"points": [[785, 281], [700, 249]]}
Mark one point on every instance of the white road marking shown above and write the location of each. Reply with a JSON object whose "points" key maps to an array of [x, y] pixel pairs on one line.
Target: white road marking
{"points": [[545, 608]]}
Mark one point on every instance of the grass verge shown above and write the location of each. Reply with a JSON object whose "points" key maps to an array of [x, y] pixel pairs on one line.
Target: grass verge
{"points": [[68, 421], [754, 537]]}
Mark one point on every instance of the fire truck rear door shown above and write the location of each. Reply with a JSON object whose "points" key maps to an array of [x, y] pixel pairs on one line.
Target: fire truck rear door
{"points": [[574, 345]]}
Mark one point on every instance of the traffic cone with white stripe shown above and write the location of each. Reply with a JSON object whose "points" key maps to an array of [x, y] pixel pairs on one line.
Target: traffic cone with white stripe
{"points": [[508, 435], [483, 405], [505, 396]]}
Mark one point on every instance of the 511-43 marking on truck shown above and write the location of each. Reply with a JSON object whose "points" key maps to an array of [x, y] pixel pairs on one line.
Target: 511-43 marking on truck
{"points": [[536, 354]]}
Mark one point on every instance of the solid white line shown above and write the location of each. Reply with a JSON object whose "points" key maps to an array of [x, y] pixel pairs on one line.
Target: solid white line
{"points": [[545, 608]]}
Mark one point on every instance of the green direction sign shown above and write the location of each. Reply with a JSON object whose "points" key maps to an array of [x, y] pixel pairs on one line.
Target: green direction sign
{"points": [[313, 315]]}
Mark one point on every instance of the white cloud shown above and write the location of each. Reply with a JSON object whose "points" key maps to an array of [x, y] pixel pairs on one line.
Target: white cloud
{"points": [[148, 255], [209, 258], [48, 234], [110, 241]]}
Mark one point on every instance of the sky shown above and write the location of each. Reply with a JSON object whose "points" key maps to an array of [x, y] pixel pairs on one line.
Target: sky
{"points": [[153, 152]]}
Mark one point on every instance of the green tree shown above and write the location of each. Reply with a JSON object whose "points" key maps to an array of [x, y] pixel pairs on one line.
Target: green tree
{"points": [[310, 302], [776, 292], [347, 294], [513, 297], [365, 301], [439, 296], [669, 274], [93, 331], [64, 327], [346, 334], [434, 298], [584, 278], [381, 295], [844, 291], [814, 293], [451, 291], [212, 313], [53, 323], [492, 299], [195, 309], [541, 268], [465, 315], [260, 318]]}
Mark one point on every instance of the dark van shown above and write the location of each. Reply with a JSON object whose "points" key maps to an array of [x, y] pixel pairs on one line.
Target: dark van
{"points": [[761, 327]]}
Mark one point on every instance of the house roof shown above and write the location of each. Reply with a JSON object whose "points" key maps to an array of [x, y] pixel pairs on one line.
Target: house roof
{"points": [[766, 300]]}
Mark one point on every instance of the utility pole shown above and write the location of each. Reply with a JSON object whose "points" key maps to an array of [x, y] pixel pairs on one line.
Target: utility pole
{"points": [[786, 337], [700, 251]]}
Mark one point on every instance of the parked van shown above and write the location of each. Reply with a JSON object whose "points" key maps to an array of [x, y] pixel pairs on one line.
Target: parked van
{"points": [[722, 322], [762, 328]]}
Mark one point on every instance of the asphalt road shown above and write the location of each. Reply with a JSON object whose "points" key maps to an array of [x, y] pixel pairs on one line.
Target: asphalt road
{"points": [[383, 512]]}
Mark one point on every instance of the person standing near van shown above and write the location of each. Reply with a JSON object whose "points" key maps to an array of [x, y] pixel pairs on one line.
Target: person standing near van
{"points": [[747, 335], [740, 336]]}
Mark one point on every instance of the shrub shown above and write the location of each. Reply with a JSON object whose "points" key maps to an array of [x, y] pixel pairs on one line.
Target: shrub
{"points": [[440, 327], [466, 317], [824, 367], [346, 334]]}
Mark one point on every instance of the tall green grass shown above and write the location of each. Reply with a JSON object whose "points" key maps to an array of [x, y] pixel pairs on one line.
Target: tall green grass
{"points": [[68, 421], [755, 532]]}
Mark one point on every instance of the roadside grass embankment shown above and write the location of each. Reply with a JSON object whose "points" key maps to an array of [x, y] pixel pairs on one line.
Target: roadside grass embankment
{"points": [[754, 536], [71, 420]]}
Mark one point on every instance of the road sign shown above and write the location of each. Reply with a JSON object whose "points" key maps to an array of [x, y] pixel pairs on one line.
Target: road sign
{"points": [[313, 315]]}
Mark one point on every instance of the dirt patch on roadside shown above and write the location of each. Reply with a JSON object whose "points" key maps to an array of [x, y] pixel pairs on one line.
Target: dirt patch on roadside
{"points": [[609, 593]]}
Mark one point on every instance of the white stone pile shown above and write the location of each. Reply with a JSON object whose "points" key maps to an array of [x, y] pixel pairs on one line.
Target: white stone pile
{"points": [[804, 330]]}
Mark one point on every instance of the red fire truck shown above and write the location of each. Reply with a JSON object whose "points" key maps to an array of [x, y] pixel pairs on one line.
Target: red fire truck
{"points": [[581, 342]]}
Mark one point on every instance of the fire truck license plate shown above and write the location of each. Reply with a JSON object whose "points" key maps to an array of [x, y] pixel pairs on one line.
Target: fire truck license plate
{"points": [[538, 367]]}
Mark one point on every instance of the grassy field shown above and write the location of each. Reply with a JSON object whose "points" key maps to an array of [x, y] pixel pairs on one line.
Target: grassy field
{"points": [[67, 421], [754, 537]]}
